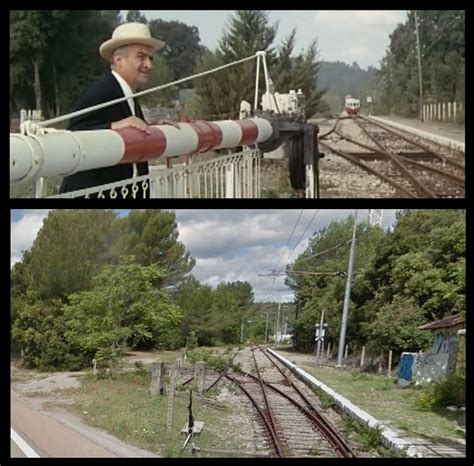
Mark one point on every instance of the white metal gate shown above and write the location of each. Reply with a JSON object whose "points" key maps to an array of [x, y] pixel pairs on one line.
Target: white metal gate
{"points": [[228, 176]]}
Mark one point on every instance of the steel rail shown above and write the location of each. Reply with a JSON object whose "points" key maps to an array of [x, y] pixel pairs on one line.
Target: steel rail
{"points": [[371, 170], [416, 143], [396, 160], [270, 428]]}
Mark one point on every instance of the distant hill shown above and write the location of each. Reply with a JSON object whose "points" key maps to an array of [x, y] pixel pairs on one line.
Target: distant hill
{"points": [[342, 79]]}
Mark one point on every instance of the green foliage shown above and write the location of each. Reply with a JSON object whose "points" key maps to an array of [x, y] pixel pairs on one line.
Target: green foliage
{"points": [[249, 31], [192, 340], [123, 310], [182, 47], [367, 437], [152, 237], [160, 74], [442, 40], [44, 74], [395, 327], [39, 329], [214, 315], [403, 278], [341, 79], [69, 248], [444, 392], [214, 361]]}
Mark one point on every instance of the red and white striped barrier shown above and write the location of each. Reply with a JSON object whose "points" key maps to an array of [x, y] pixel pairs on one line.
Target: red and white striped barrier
{"points": [[61, 153]]}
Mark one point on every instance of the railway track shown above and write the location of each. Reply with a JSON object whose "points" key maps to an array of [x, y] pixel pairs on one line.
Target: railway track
{"points": [[414, 167], [289, 421]]}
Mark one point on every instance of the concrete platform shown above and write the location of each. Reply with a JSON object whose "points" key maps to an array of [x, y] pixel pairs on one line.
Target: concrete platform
{"points": [[397, 441], [448, 134]]}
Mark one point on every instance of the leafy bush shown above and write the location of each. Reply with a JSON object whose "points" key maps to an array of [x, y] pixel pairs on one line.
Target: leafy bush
{"points": [[444, 392], [39, 330], [216, 362]]}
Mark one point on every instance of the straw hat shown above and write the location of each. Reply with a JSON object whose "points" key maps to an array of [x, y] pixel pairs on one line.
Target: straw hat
{"points": [[128, 34]]}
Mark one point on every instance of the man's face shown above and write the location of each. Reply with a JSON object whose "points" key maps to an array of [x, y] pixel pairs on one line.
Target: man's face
{"points": [[135, 65]]}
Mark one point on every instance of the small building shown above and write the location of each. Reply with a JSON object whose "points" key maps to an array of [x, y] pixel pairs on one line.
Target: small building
{"points": [[441, 361], [445, 332]]}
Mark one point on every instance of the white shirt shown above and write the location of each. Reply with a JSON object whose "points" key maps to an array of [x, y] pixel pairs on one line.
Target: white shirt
{"points": [[127, 91]]}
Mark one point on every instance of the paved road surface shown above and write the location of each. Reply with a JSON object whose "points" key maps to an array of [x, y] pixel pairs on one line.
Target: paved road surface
{"points": [[62, 436]]}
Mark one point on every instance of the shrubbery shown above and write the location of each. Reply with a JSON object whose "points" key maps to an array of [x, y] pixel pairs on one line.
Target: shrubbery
{"points": [[444, 392]]}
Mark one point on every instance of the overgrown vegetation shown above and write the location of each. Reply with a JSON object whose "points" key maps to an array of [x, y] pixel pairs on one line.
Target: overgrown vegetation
{"points": [[447, 391], [442, 39], [133, 289], [412, 274]]}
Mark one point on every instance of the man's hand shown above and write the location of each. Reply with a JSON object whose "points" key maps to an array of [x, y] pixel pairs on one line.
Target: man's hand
{"points": [[131, 122], [164, 121]]}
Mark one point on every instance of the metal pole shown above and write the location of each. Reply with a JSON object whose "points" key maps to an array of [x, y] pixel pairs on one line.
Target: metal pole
{"points": [[347, 296], [419, 65]]}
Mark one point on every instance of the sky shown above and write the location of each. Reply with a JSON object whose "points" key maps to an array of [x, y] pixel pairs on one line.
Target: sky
{"points": [[228, 245], [343, 35]]}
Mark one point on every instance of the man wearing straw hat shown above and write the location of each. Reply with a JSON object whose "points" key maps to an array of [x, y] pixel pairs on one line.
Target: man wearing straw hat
{"points": [[130, 54]]}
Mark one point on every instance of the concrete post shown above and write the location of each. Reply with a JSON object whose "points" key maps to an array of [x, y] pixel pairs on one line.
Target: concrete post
{"points": [[362, 356], [320, 333], [347, 294], [329, 350], [169, 408], [439, 111], [389, 370], [347, 351], [157, 384], [443, 111], [454, 111], [449, 110], [199, 375]]}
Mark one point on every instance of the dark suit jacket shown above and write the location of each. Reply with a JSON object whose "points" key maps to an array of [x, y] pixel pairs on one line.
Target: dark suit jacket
{"points": [[103, 90]]}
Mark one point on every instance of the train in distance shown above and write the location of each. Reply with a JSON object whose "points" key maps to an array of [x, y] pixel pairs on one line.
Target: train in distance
{"points": [[352, 106]]}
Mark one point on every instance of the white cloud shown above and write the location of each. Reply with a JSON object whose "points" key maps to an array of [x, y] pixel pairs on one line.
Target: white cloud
{"points": [[335, 30], [228, 245], [360, 20], [23, 232]]}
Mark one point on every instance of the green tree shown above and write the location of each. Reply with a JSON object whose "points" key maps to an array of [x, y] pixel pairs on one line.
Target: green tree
{"points": [[394, 327], [68, 250], [196, 301], [182, 48], [442, 42], [44, 74], [152, 237], [248, 32], [123, 310], [39, 330]]}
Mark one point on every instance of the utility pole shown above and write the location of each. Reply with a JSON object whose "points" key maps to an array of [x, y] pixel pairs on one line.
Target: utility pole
{"points": [[420, 76], [319, 337], [347, 295]]}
